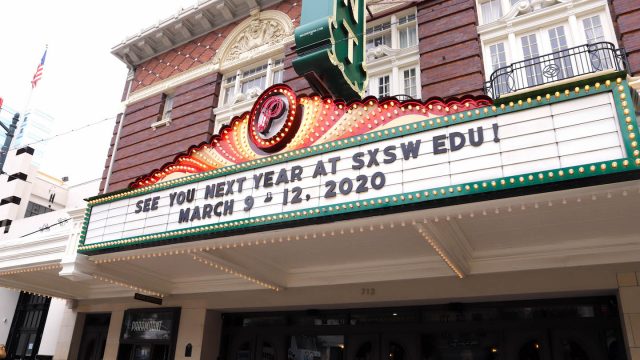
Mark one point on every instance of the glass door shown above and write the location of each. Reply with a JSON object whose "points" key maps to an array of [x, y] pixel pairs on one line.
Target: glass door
{"points": [[27, 327]]}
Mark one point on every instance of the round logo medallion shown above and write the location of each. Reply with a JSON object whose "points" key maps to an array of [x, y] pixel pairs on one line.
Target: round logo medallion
{"points": [[273, 119]]}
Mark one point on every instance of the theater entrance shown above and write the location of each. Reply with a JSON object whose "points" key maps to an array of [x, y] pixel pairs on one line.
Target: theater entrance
{"points": [[562, 329]]}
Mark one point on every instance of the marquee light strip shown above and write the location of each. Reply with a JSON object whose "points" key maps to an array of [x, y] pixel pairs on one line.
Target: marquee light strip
{"points": [[380, 226], [440, 251], [33, 293], [231, 271], [129, 286], [31, 269]]}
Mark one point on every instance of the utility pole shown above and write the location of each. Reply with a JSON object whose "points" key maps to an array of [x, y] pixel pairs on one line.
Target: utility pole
{"points": [[7, 141]]}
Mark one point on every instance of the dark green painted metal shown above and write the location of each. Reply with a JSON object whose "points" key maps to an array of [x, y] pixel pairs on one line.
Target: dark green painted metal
{"points": [[331, 48]]}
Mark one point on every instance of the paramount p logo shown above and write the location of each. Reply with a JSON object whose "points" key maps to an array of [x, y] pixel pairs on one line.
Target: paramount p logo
{"points": [[331, 48]]}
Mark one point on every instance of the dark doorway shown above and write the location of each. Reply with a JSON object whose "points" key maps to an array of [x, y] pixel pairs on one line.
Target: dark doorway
{"points": [[94, 336], [27, 326]]}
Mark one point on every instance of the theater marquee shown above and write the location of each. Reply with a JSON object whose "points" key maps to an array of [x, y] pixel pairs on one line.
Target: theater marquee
{"points": [[291, 160]]}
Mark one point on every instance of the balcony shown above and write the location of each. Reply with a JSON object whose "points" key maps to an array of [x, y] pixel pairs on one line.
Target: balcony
{"points": [[559, 65]]}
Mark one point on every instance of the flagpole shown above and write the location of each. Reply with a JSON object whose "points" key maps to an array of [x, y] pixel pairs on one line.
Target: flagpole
{"points": [[27, 106]]}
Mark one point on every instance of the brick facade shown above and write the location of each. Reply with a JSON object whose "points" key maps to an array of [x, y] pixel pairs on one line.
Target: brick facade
{"points": [[626, 18], [450, 56]]}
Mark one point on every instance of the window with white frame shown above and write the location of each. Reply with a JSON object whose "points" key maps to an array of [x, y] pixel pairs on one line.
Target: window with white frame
{"points": [[530, 51], [593, 29], [499, 60], [561, 59], [167, 106], [383, 86], [394, 69], [410, 82], [379, 35], [243, 84], [491, 11], [407, 31]]}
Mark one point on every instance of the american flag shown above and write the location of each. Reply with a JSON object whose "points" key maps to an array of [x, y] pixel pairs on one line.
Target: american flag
{"points": [[38, 74]]}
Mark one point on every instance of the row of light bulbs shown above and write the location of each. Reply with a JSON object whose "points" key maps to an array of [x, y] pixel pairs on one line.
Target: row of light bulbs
{"points": [[355, 229], [129, 286], [230, 271]]}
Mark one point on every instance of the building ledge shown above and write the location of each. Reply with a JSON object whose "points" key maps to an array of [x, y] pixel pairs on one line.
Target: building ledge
{"points": [[186, 25]]}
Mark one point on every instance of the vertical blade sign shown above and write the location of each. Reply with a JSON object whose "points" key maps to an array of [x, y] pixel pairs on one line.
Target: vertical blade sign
{"points": [[331, 48]]}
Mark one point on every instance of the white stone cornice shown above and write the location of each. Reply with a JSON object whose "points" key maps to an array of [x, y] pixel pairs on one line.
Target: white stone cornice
{"points": [[187, 24]]}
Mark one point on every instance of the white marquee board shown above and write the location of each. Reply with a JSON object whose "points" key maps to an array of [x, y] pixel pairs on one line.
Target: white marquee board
{"points": [[559, 135]]}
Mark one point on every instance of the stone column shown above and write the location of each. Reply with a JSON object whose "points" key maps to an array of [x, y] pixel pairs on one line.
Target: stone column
{"points": [[113, 337], [629, 299]]}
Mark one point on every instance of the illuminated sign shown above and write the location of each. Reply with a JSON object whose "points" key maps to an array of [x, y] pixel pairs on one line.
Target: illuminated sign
{"points": [[410, 157]]}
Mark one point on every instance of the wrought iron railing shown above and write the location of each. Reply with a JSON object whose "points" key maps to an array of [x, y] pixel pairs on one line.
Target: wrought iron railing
{"points": [[559, 65]]}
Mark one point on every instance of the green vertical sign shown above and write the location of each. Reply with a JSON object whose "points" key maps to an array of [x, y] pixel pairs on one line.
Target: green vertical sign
{"points": [[331, 48]]}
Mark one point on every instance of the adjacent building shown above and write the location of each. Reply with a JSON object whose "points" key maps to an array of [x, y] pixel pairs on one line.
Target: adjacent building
{"points": [[477, 203]]}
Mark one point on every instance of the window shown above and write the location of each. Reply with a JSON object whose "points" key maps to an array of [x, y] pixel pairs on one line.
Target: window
{"points": [[593, 29], [250, 81], [561, 60], [530, 51], [594, 33], [394, 69], [379, 35], [407, 31], [491, 11], [167, 106], [34, 209], [383, 86], [499, 60], [410, 82], [229, 90]]}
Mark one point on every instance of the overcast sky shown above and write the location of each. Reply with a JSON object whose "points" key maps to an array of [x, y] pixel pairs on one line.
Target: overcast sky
{"points": [[82, 82]]}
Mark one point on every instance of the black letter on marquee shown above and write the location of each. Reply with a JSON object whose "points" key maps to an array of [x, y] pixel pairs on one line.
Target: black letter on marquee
{"points": [[296, 173], [358, 163], [320, 170], [373, 157], [472, 137], [206, 211], [439, 147], [138, 206], [453, 146], [410, 149], [184, 215], [390, 153], [334, 164]]}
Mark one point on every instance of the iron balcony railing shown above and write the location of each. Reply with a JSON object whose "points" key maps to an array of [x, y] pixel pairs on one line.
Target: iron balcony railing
{"points": [[559, 65]]}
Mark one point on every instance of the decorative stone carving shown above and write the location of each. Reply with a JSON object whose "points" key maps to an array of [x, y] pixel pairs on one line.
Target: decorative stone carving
{"points": [[381, 51], [257, 34], [527, 6], [260, 32]]}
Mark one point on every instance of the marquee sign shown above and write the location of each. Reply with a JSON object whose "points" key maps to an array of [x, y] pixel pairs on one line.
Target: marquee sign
{"points": [[401, 155]]}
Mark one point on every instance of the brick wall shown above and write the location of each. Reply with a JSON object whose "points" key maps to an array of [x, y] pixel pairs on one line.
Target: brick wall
{"points": [[450, 56], [142, 149], [626, 18]]}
